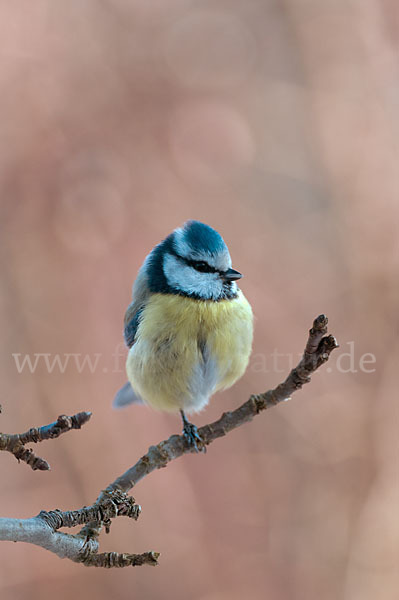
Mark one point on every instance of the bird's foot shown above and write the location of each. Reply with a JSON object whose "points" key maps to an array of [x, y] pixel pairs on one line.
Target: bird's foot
{"points": [[191, 434]]}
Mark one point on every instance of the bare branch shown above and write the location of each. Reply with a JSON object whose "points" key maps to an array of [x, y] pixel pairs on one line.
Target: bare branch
{"points": [[15, 443], [38, 532], [43, 531], [317, 351], [112, 505], [113, 501], [113, 559]]}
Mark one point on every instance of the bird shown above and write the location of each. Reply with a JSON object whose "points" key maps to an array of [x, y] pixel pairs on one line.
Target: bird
{"points": [[189, 328]]}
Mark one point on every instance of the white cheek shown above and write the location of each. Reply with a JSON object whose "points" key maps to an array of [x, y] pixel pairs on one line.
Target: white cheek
{"points": [[187, 279]]}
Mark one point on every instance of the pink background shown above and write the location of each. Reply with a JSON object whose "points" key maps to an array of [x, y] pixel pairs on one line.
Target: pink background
{"points": [[277, 124]]}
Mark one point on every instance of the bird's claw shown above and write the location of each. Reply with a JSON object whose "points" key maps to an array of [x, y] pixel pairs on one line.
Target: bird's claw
{"points": [[192, 436]]}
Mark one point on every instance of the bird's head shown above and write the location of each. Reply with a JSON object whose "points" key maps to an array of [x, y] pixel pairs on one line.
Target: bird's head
{"points": [[193, 261]]}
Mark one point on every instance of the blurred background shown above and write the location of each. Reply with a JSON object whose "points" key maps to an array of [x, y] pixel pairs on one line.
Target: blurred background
{"points": [[276, 122]]}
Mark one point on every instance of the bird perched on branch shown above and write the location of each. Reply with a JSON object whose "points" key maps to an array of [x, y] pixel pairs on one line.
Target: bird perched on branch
{"points": [[189, 327]]}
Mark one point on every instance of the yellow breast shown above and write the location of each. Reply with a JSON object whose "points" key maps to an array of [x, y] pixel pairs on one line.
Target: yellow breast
{"points": [[187, 349]]}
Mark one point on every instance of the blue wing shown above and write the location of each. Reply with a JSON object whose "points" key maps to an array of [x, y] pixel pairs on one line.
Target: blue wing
{"points": [[135, 309], [126, 395], [132, 320]]}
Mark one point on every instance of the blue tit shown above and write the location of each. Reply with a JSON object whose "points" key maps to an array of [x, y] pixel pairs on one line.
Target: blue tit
{"points": [[188, 328]]}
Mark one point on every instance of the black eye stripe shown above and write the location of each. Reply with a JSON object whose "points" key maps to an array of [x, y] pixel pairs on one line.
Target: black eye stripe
{"points": [[199, 265]]}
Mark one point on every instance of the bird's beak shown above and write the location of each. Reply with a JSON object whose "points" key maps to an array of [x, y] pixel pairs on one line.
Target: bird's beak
{"points": [[231, 275]]}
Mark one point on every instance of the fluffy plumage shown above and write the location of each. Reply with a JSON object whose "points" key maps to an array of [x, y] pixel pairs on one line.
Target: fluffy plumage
{"points": [[189, 327], [187, 349]]}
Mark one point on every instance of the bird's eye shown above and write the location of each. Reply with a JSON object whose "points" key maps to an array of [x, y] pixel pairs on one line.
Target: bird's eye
{"points": [[202, 267]]}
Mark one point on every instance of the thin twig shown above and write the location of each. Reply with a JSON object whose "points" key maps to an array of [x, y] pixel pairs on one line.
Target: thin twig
{"points": [[15, 443], [43, 530], [113, 501], [317, 351], [114, 559], [112, 504]]}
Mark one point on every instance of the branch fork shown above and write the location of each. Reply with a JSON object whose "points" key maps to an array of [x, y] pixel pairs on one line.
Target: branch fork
{"points": [[15, 443], [113, 502]]}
